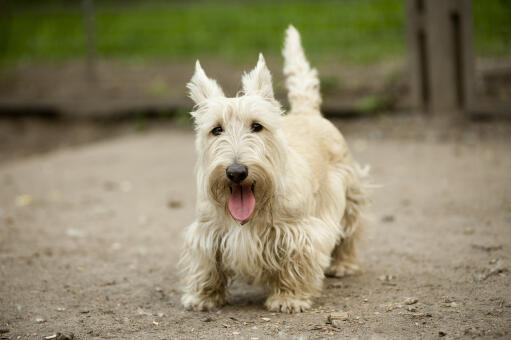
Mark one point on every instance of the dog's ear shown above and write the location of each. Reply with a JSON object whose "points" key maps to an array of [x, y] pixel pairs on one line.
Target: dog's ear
{"points": [[201, 87], [258, 81]]}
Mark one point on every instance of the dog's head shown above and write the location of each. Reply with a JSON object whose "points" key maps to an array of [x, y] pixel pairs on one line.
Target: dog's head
{"points": [[239, 142]]}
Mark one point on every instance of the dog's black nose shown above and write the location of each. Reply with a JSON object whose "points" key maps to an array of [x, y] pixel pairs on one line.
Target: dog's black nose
{"points": [[236, 172]]}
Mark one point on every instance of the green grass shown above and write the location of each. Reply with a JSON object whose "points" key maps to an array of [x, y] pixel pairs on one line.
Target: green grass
{"points": [[355, 30], [352, 31], [492, 27]]}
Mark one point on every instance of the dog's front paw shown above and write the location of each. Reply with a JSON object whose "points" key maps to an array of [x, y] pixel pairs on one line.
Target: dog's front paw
{"points": [[202, 303], [287, 304], [341, 269]]}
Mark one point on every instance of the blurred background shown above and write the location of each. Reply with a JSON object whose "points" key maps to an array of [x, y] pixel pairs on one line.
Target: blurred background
{"points": [[97, 152], [84, 61]]}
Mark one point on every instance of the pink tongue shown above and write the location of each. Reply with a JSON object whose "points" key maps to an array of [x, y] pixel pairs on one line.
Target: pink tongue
{"points": [[241, 202]]}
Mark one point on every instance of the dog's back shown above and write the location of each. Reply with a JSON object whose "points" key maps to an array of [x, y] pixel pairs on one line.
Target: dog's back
{"points": [[317, 140]]}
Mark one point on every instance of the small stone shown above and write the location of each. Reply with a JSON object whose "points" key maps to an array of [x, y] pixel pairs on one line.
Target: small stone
{"points": [[84, 311], [235, 333], [155, 323], [391, 306], [410, 301], [60, 309], [174, 204], [449, 304], [388, 218], [62, 336], [40, 320], [336, 318], [497, 269], [447, 299], [266, 319], [442, 334], [49, 337], [386, 278]]}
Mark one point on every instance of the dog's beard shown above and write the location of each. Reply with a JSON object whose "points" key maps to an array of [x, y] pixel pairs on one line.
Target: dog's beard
{"points": [[259, 183]]}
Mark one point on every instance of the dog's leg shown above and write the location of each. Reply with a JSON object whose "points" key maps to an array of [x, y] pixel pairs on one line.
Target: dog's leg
{"points": [[203, 279], [297, 273], [344, 256], [284, 297]]}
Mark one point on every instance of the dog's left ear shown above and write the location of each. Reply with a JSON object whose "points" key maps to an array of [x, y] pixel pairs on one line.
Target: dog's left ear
{"points": [[201, 87], [258, 81]]}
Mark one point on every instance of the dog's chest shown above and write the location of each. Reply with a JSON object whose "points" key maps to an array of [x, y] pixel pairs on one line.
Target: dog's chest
{"points": [[246, 251]]}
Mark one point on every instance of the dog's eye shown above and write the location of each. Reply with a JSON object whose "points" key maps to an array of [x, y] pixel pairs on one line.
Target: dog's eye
{"points": [[256, 127], [217, 131]]}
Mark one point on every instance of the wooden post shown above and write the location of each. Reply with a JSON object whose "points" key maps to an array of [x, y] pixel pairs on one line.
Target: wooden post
{"points": [[439, 35]]}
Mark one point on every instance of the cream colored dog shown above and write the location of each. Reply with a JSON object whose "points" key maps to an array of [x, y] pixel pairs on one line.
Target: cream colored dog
{"points": [[280, 200]]}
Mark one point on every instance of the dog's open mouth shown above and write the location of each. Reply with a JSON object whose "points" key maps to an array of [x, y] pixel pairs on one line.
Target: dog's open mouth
{"points": [[242, 201]]}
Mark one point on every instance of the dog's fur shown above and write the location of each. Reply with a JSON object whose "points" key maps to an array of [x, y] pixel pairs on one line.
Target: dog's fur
{"points": [[310, 194]]}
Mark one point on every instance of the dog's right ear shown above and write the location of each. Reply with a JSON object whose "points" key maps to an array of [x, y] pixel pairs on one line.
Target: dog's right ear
{"points": [[258, 81], [201, 87]]}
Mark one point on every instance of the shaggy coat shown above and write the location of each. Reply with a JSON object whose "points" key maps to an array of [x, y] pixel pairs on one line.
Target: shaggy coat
{"points": [[309, 193]]}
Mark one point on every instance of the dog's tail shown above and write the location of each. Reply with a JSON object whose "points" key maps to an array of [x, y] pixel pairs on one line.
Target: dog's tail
{"points": [[301, 80]]}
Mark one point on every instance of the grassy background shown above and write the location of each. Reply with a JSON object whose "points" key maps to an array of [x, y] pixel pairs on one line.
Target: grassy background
{"points": [[354, 31]]}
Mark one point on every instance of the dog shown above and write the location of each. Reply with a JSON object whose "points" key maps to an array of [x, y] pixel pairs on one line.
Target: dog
{"points": [[280, 200]]}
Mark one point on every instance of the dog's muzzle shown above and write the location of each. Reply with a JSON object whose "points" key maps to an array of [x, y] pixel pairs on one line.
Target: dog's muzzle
{"points": [[242, 200]]}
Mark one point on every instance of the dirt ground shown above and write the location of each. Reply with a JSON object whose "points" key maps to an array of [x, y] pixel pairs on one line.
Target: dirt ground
{"points": [[90, 236]]}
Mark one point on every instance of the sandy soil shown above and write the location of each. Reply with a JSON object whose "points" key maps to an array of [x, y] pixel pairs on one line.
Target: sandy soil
{"points": [[90, 236]]}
